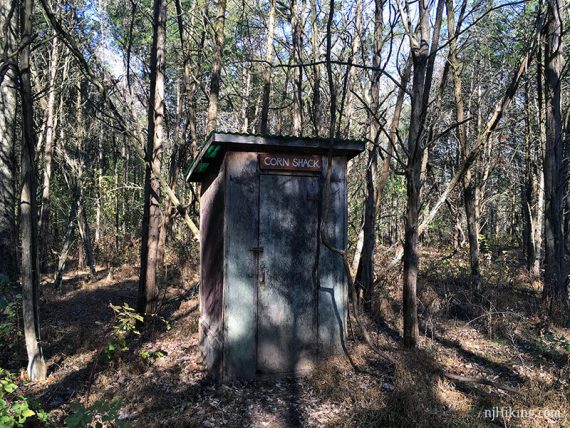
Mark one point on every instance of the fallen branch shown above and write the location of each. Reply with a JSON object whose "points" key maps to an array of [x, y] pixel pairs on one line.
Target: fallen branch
{"points": [[460, 378]]}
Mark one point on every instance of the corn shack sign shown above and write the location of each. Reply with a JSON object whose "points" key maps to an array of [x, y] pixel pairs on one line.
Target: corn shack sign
{"points": [[285, 162]]}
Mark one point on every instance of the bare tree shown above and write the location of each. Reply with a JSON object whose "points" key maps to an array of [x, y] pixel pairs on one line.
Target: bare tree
{"points": [[8, 241], [555, 292], [295, 19], [28, 212], [415, 148], [264, 125], [216, 67], [48, 154], [148, 287], [532, 191], [365, 276], [316, 108]]}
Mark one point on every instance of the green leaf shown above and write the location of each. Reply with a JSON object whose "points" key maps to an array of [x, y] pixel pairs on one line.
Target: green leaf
{"points": [[27, 413], [10, 387]]}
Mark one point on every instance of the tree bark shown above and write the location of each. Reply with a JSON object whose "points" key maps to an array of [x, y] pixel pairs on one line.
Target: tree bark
{"points": [[8, 101], [365, 273], [415, 149], [532, 192], [264, 125], [48, 154], [85, 232], [189, 83], [245, 99], [216, 68], [147, 298], [317, 100], [98, 207], [296, 49], [555, 292], [355, 47], [471, 197], [29, 269], [470, 186], [527, 186], [67, 241]]}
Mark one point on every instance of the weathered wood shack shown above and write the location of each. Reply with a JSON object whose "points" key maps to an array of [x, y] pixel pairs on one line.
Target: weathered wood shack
{"points": [[273, 297]]}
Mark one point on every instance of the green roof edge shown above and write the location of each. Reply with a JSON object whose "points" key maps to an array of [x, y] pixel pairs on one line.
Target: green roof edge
{"points": [[276, 136]]}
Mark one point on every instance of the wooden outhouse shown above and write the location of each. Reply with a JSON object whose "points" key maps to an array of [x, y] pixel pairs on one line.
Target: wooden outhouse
{"points": [[273, 297]]}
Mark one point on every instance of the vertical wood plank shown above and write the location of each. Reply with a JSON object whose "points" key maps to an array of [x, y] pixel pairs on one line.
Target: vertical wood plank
{"points": [[287, 340], [211, 271], [240, 279], [333, 291]]}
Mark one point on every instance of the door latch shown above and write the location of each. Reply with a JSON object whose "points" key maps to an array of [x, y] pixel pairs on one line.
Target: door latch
{"points": [[260, 266]]}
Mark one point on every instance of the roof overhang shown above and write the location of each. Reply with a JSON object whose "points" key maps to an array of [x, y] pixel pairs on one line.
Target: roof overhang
{"points": [[212, 152]]}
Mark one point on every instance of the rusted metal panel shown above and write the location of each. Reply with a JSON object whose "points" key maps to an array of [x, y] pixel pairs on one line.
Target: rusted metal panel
{"points": [[286, 327], [288, 162], [211, 284], [333, 297], [240, 281]]}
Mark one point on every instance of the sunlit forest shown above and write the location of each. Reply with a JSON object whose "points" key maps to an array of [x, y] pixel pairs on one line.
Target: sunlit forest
{"points": [[401, 261]]}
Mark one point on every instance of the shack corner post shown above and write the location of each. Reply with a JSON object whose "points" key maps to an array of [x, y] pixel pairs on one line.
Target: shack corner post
{"points": [[273, 299]]}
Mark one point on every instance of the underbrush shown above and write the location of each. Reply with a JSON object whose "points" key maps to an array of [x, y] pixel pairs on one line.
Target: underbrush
{"points": [[104, 368]]}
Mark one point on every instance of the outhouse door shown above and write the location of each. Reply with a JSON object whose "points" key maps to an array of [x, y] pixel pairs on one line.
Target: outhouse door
{"points": [[287, 286]]}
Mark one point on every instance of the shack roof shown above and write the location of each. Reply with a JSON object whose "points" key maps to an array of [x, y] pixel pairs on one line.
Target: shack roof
{"points": [[217, 144]]}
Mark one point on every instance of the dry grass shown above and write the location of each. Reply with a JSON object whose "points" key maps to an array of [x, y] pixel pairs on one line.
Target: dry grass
{"points": [[493, 333]]}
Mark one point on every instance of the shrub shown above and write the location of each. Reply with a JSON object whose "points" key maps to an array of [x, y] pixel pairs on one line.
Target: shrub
{"points": [[15, 408]]}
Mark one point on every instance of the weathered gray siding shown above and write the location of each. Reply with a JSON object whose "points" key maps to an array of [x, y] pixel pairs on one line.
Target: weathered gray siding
{"points": [[211, 274], [298, 315], [240, 280], [332, 277], [287, 295]]}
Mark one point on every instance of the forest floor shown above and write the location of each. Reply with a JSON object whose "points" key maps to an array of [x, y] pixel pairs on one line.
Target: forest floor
{"points": [[489, 331]]}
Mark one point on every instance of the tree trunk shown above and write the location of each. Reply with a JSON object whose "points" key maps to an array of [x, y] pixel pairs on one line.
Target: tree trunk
{"points": [[264, 125], [99, 170], [67, 241], [555, 292], [8, 235], [296, 48], [471, 200], [48, 153], [365, 274], [85, 233], [245, 99], [116, 195], [169, 214], [540, 150], [216, 68], [147, 298], [317, 100], [28, 213], [355, 47], [532, 194], [470, 186], [382, 180], [415, 148]]}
